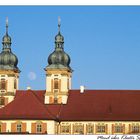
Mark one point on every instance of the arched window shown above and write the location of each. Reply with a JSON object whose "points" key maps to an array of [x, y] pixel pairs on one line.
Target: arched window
{"points": [[101, 128], [2, 84], [78, 129], [90, 129], [135, 128], [118, 128], [65, 128], [19, 128], [56, 84]]}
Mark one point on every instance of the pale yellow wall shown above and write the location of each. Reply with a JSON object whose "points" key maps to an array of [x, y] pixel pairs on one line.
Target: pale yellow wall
{"points": [[64, 87], [62, 75], [64, 99], [10, 81], [70, 83], [64, 79], [17, 79], [48, 83], [10, 98], [54, 127], [10, 84], [109, 125], [9, 77], [46, 99], [50, 125]]}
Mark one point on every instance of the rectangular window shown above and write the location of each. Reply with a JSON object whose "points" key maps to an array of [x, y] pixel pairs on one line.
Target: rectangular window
{"points": [[79, 129], [65, 129], [100, 129], [39, 128], [89, 129], [18, 128], [135, 129], [118, 129]]}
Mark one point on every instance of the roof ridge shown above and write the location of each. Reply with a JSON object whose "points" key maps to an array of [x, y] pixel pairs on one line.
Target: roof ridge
{"points": [[59, 113], [36, 96], [43, 104]]}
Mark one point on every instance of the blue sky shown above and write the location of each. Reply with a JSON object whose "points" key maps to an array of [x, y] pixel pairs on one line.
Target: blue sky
{"points": [[102, 41]]}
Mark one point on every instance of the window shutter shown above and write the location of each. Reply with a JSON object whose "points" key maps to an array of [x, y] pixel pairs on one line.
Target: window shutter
{"points": [[95, 128], [130, 129], [113, 128], [60, 100], [123, 128], [13, 127], [23, 128], [44, 128], [106, 129], [33, 128], [3, 127], [51, 100]]}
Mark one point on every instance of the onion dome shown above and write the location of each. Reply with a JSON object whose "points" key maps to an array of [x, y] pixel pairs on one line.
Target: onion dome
{"points": [[59, 58], [8, 60], [59, 38]]}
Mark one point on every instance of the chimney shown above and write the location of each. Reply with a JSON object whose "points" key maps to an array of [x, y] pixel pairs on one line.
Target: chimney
{"points": [[28, 88], [82, 88]]}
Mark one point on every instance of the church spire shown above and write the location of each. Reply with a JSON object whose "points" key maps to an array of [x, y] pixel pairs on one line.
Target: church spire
{"points": [[59, 24], [6, 25], [6, 41], [59, 39]]}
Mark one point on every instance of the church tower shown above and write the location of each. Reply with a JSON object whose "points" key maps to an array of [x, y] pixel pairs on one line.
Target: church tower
{"points": [[58, 73], [9, 72]]}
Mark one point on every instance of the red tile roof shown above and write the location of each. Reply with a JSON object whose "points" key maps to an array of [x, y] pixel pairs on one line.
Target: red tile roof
{"points": [[92, 105], [26, 105]]}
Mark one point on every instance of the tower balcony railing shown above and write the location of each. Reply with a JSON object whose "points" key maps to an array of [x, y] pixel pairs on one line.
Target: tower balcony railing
{"points": [[2, 93]]}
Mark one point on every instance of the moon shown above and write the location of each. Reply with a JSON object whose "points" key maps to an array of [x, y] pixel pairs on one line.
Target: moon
{"points": [[32, 75]]}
